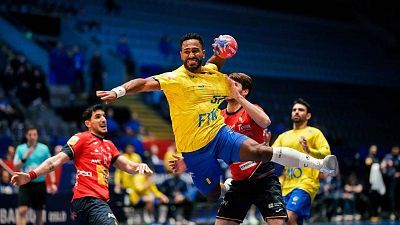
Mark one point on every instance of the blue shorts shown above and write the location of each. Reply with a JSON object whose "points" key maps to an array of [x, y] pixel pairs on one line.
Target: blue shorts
{"points": [[203, 165], [299, 202]]}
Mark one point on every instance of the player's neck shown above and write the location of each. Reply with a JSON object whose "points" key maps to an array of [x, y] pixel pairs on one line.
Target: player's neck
{"points": [[101, 136], [299, 126], [232, 107]]}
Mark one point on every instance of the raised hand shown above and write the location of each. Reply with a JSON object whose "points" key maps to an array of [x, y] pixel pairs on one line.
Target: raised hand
{"points": [[267, 137], [304, 144], [20, 179], [143, 168], [107, 96], [177, 164], [234, 90]]}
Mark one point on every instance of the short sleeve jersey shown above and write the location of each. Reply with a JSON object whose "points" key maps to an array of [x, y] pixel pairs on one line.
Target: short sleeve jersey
{"points": [[39, 155], [193, 99], [241, 122], [92, 158], [306, 179]]}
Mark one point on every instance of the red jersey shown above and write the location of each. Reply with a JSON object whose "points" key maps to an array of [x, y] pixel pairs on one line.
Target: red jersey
{"points": [[92, 157], [242, 123]]}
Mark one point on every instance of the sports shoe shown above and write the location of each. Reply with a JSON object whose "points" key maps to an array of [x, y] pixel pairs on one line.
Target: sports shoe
{"points": [[330, 165]]}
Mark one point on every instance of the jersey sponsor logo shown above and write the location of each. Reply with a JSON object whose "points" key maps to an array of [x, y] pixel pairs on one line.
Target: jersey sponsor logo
{"points": [[208, 117], [275, 204], [243, 127], [217, 99], [84, 173], [294, 172], [95, 152], [73, 140], [95, 161], [247, 165]]}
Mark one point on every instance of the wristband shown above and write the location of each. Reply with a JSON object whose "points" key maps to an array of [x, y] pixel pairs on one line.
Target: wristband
{"points": [[32, 174], [120, 91]]}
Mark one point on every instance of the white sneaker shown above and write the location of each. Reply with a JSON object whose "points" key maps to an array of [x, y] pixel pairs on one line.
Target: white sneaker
{"points": [[330, 165]]}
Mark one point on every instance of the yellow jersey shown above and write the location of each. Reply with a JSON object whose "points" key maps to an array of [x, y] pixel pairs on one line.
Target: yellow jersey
{"points": [[193, 100], [143, 187], [123, 178], [306, 179]]}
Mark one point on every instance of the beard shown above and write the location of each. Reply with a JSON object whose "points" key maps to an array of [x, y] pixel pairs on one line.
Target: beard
{"points": [[297, 120], [193, 67]]}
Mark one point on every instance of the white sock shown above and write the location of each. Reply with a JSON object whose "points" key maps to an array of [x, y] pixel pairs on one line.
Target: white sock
{"points": [[292, 158]]}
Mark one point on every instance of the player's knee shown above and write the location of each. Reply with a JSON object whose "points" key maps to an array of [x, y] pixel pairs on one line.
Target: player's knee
{"points": [[22, 211]]}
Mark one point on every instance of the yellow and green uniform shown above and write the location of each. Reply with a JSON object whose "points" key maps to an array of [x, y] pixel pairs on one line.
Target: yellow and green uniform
{"points": [[193, 101], [124, 178], [139, 189], [306, 179]]}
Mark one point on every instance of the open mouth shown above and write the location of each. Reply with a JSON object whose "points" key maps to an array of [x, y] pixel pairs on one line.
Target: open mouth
{"points": [[192, 61]]}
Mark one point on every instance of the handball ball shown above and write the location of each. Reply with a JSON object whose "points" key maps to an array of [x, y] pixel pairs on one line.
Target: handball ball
{"points": [[226, 46]]}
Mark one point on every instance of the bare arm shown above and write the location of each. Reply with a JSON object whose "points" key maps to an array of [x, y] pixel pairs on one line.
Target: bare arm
{"points": [[219, 62], [257, 114], [131, 87], [46, 167], [8, 169], [128, 166]]}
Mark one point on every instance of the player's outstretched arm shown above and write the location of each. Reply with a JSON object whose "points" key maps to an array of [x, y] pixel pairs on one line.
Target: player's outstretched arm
{"points": [[129, 88], [128, 166], [46, 167]]}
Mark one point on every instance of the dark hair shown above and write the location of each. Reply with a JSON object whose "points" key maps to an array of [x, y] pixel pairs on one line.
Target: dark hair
{"points": [[189, 36], [303, 102], [87, 114], [244, 79], [28, 128]]}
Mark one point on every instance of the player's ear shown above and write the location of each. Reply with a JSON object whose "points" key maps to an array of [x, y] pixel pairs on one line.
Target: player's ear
{"points": [[245, 92], [308, 116], [87, 123]]}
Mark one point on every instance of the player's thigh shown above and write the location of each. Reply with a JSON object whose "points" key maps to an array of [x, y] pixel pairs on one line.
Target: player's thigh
{"points": [[270, 201], [235, 205], [205, 171], [225, 222], [228, 144], [299, 202], [38, 196], [92, 211], [100, 213], [24, 196]]}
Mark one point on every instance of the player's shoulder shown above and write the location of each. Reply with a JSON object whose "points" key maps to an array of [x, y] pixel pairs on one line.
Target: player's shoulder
{"points": [[78, 137], [85, 134], [108, 142], [42, 146], [211, 66], [21, 147], [314, 130]]}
